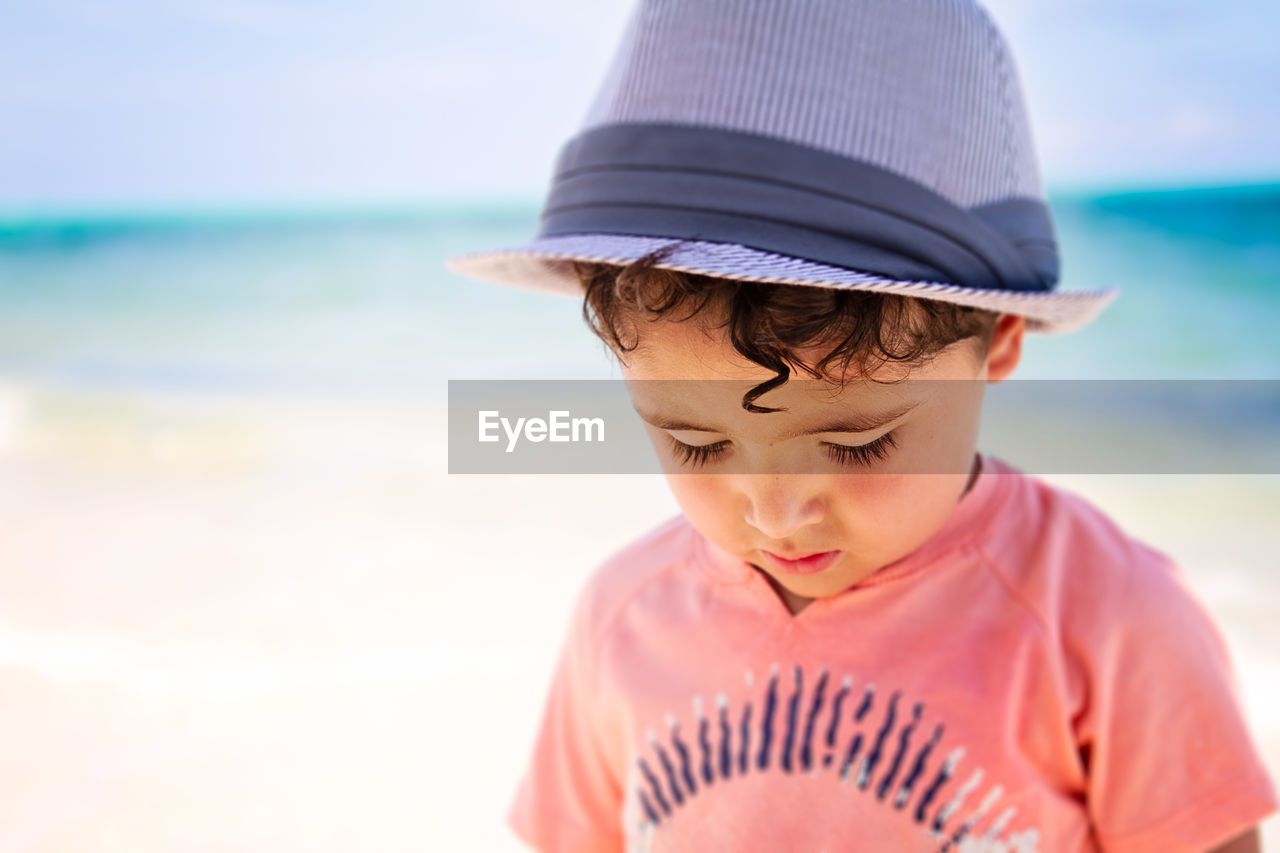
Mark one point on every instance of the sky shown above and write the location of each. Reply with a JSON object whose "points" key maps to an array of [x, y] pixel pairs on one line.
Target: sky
{"points": [[166, 103]]}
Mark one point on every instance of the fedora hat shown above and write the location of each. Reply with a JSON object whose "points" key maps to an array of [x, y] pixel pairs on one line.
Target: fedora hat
{"points": [[876, 145]]}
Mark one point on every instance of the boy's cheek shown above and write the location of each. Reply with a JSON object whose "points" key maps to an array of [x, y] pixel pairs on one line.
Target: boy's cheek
{"points": [[873, 489], [702, 494], [712, 505], [895, 503], [713, 501]]}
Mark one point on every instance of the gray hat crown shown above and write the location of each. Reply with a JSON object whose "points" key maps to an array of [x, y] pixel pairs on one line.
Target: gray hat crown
{"points": [[927, 89]]}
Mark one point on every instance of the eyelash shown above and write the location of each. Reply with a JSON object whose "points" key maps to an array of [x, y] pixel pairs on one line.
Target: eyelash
{"points": [[853, 455]]}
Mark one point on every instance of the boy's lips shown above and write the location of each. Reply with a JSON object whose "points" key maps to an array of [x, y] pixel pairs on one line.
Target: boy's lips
{"points": [[805, 565]]}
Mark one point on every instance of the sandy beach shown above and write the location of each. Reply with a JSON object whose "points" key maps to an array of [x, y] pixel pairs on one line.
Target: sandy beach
{"points": [[235, 622]]}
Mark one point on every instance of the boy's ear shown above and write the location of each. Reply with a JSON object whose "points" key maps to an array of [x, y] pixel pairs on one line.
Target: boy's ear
{"points": [[1006, 346]]}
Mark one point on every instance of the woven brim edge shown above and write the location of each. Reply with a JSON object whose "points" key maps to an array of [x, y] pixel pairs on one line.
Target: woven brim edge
{"points": [[546, 266]]}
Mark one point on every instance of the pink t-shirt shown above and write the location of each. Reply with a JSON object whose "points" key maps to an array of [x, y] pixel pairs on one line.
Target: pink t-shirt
{"points": [[1029, 679]]}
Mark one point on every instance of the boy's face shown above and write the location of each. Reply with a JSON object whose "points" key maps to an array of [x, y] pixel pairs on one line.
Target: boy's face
{"points": [[748, 498]]}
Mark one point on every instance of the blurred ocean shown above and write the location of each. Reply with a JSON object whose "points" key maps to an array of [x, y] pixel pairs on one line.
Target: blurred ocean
{"points": [[361, 302]]}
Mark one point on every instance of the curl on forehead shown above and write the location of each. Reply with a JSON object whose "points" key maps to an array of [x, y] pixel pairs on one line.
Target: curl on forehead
{"points": [[769, 331]]}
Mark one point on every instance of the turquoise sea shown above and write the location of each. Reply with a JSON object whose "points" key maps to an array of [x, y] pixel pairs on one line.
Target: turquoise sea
{"points": [[360, 300]]}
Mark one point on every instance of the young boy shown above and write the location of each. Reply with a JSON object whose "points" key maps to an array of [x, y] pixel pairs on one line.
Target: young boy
{"points": [[860, 633]]}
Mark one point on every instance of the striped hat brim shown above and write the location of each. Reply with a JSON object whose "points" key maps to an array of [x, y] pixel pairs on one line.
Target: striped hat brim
{"points": [[546, 264]]}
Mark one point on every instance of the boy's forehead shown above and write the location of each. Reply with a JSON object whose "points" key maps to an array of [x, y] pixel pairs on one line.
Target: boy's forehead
{"points": [[685, 373], [680, 370], [806, 405]]}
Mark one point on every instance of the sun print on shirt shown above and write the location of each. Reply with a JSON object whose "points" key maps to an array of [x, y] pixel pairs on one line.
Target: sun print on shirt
{"points": [[879, 746]]}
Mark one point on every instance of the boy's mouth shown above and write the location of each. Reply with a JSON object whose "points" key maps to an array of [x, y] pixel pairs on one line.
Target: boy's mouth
{"points": [[805, 565]]}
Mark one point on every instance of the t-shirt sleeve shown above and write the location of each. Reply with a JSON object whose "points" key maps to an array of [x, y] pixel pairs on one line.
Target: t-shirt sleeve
{"points": [[570, 797], [1171, 763]]}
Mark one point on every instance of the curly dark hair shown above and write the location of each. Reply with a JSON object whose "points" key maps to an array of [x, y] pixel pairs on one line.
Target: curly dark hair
{"points": [[766, 322]]}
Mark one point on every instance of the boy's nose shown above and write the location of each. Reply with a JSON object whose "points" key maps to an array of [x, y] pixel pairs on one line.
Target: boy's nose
{"points": [[779, 506]]}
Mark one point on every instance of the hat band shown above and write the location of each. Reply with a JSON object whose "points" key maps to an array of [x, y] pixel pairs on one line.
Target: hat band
{"points": [[705, 183]]}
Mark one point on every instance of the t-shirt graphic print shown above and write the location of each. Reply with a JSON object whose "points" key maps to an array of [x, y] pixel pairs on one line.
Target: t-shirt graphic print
{"points": [[883, 747]]}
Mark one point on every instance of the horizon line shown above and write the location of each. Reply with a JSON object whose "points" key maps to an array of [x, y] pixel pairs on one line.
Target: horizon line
{"points": [[337, 207]]}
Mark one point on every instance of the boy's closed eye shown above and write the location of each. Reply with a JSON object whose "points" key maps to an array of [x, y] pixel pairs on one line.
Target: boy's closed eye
{"points": [[854, 455]]}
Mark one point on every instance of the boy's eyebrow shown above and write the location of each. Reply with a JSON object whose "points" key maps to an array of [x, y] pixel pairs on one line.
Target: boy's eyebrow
{"points": [[849, 422]]}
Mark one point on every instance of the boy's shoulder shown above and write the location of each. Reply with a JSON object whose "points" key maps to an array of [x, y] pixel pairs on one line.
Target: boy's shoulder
{"points": [[1075, 566], [1048, 519], [651, 557]]}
